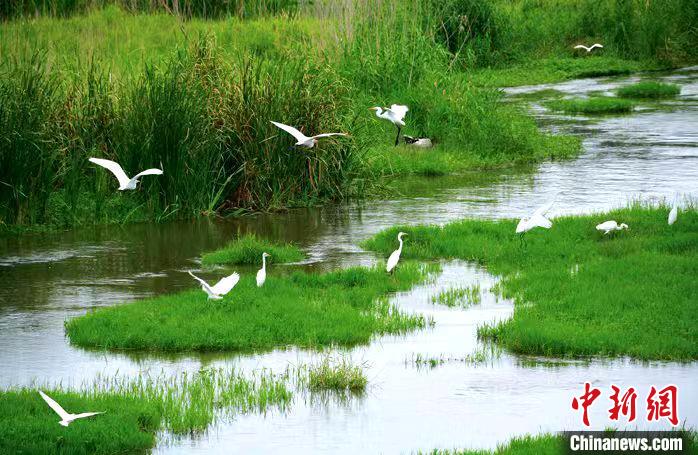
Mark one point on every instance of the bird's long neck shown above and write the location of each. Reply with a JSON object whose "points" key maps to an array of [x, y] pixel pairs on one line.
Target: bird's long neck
{"points": [[400, 247], [264, 263]]}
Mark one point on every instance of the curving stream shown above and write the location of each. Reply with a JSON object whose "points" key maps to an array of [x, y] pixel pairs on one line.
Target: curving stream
{"points": [[649, 154]]}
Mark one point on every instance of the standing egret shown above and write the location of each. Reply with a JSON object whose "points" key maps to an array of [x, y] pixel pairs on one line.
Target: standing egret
{"points": [[125, 183], [395, 115], [65, 416], [303, 140], [608, 226], [395, 256], [262, 273], [674, 213], [590, 48], [221, 288]]}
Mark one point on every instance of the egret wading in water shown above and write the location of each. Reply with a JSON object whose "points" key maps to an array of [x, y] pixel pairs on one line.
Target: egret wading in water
{"points": [[610, 226], [395, 256], [221, 288], [395, 115], [65, 416], [302, 139], [125, 183], [590, 48], [674, 213], [262, 273]]}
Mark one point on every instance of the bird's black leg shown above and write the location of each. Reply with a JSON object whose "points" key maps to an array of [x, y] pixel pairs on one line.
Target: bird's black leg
{"points": [[397, 138]]}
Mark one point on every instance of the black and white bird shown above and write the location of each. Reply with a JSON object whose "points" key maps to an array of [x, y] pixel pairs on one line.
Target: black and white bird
{"points": [[422, 142]]}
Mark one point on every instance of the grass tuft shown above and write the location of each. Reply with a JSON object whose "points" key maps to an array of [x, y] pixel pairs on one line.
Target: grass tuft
{"points": [[463, 297], [248, 250], [343, 307], [649, 90], [605, 105], [337, 375]]}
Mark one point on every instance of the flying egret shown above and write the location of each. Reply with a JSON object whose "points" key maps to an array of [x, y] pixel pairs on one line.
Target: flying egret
{"points": [[674, 213], [262, 273], [395, 256], [609, 226], [303, 140], [66, 417], [221, 288], [588, 49], [537, 218], [395, 114], [125, 183]]}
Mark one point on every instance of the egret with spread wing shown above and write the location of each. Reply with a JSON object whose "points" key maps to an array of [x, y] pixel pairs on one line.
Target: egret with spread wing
{"points": [[302, 139], [65, 416], [125, 183], [221, 288], [395, 115]]}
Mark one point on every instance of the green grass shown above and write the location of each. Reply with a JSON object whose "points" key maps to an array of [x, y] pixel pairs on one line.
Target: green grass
{"points": [[462, 296], [248, 250], [577, 292], [546, 444], [28, 425], [338, 375], [649, 90], [344, 307], [603, 105], [481, 356]]}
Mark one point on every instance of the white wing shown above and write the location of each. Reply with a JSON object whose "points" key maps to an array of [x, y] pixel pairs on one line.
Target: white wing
{"points": [[300, 137], [86, 414], [55, 406], [673, 215], [148, 172], [204, 284], [226, 284], [329, 134], [392, 260], [595, 45], [540, 221], [521, 227], [399, 110], [580, 46], [261, 277], [115, 169]]}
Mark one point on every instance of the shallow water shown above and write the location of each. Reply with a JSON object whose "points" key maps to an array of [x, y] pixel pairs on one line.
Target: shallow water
{"points": [[652, 153]]}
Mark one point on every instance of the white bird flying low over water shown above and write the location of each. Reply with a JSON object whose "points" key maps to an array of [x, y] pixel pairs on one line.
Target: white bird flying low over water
{"points": [[395, 256], [590, 48], [303, 140], [262, 273], [609, 226], [221, 288], [65, 416], [125, 183], [395, 115], [674, 213]]}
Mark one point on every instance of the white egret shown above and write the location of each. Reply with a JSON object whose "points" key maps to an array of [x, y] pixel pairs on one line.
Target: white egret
{"points": [[537, 218], [590, 48], [609, 226], [395, 256], [303, 140], [674, 213], [221, 288], [65, 416], [395, 115], [421, 142], [262, 273], [125, 183]]}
